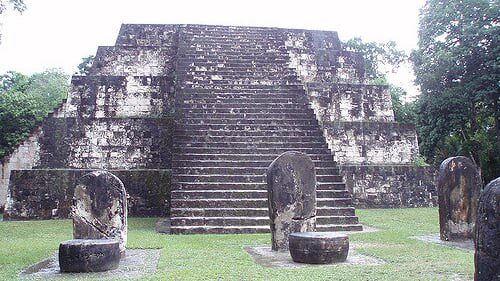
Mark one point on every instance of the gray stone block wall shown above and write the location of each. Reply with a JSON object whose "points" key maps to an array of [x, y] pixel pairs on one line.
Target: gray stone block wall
{"points": [[391, 186], [106, 143], [48, 193], [375, 143]]}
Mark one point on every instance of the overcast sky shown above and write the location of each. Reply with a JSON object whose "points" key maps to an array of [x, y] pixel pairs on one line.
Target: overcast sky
{"points": [[59, 33]]}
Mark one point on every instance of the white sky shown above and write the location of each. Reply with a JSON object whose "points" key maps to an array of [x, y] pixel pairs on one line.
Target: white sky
{"points": [[59, 33]]}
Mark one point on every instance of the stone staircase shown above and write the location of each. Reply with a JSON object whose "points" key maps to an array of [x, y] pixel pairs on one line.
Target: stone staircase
{"points": [[241, 106]]}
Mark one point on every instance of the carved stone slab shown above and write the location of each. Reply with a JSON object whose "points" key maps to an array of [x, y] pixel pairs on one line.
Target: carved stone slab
{"points": [[291, 183], [458, 197], [100, 208], [487, 240]]}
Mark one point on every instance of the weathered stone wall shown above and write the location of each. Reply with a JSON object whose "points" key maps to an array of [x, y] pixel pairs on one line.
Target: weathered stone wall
{"points": [[134, 61], [372, 142], [317, 56], [350, 102], [147, 35], [391, 186], [106, 143], [25, 156], [47, 193], [120, 96]]}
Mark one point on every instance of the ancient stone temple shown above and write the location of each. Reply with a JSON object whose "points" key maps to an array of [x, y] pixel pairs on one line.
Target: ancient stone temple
{"points": [[189, 117]]}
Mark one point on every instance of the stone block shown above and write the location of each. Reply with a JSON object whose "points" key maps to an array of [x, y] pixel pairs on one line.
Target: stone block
{"points": [[487, 234], [82, 255], [318, 247], [291, 183], [459, 185]]}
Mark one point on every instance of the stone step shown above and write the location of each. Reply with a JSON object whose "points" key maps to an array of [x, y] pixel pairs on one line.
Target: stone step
{"points": [[218, 54], [219, 103], [243, 194], [193, 139], [242, 157], [243, 95], [244, 102], [328, 220], [239, 178], [269, 90], [208, 101], [249, 127], [249, 150], [228, 116], [189, 185], [247, 79], [220, 229], [201, 110], [241, 170], [332, 193], [229, 41], [237, 62], [237, 163], [220, 221], [225, 212], [219, 203], [281, 144], [237, 85], [221, 194], [339, 227], [334, 202], [239, 151], [335, 211]]}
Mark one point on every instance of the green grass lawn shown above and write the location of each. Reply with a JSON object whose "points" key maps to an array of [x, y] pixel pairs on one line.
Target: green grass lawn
{"points": [[222, 257]]}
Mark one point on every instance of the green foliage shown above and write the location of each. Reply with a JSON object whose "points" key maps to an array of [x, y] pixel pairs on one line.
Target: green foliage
{"points": [[17, 5], [86, 64], [376, 56], [380, 56], [25, 101], [223, 257], [457, 68]]}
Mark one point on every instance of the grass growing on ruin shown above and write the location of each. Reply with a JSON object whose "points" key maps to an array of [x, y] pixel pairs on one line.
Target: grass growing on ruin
{"points": [[222, 257]]}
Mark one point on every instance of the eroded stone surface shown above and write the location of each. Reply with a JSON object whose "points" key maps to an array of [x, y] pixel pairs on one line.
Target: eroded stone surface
{"points": [[487, 238], [100, 208], [81, 255], [291, 183], [458, 197], [318, 247]]}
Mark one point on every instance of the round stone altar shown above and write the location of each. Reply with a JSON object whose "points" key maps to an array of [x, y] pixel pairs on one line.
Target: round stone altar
{"points": [[318, 247], [89, 255]]}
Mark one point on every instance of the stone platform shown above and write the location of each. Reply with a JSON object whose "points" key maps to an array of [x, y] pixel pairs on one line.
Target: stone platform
{"points": [[266, 257]]}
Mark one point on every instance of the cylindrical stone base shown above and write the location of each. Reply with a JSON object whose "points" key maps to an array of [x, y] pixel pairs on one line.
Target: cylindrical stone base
{"points": [[318, 247], [81, 255]]}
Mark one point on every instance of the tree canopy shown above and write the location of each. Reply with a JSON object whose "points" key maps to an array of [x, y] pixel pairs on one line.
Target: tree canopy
{"points": [[457, 67], [25, 101]]}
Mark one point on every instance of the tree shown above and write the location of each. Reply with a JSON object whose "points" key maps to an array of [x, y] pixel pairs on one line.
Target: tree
{"points": [[377, 56], [25, 101], [457, 67], [17, 5], [50, 87]]}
